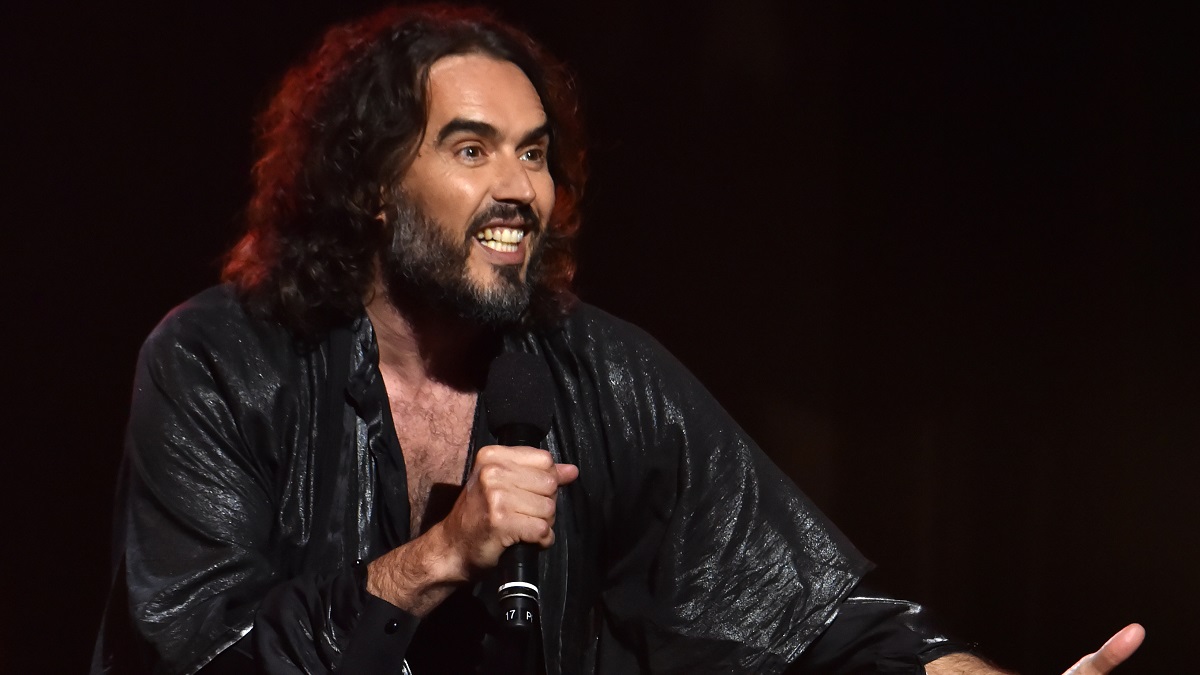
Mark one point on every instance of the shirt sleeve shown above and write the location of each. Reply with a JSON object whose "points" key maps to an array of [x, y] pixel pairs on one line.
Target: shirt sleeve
{"points": [[202, 569], [377, 646], [715, 561], [874, 633]]}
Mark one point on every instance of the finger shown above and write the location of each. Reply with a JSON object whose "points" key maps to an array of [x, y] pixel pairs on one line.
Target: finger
{"points": [[508, 477], [1118, 648], [528, 529], [540, 532], [567, 473], [522, 504], [521, 455]]}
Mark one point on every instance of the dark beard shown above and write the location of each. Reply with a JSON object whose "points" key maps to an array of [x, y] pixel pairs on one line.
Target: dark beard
{"points": [[423, 264]]}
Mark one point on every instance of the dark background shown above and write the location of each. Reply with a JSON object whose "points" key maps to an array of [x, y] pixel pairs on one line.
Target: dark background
{"points": [[940, 259]]}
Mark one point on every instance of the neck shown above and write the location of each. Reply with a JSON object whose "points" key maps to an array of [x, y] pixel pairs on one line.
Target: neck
{"points": [[419, 345]]}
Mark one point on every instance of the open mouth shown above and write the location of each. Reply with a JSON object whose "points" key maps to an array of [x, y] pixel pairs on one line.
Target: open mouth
{"points": [[503, 239]]}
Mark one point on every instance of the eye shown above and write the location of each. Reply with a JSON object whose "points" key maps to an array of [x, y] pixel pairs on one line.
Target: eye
{"points": [[470, 153], [535, 155]]}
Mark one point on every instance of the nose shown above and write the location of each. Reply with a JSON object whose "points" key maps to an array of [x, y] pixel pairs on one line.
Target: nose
{"points": [[512, 182]]}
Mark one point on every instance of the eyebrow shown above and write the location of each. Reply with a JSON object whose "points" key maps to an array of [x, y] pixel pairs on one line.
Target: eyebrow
{"points": [[460, 125], [538, 134]]}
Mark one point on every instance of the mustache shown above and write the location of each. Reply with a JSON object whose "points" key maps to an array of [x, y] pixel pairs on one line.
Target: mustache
{"points": [[521, 215]]}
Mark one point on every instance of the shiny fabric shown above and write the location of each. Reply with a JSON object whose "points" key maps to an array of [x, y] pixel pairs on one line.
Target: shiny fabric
{"points": [[680, 549], [877, 634]]}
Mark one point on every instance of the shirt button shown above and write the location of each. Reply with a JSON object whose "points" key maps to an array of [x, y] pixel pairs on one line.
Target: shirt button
{"points": [[391, 627]]}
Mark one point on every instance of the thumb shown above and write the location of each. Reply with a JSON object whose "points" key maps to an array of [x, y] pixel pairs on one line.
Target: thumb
{"points": [[567, 473], [1114, 652]]}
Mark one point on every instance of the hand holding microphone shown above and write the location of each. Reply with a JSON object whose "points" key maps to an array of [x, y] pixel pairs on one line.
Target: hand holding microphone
{"points": [[507, 503], [520, 404], [506, 509]]}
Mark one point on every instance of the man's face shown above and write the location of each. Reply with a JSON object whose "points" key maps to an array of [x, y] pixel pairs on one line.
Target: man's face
{"points": [[477, 193]]}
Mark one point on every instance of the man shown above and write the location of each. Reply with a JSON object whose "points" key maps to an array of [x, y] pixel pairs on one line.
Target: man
{"points": [[310, 483]]}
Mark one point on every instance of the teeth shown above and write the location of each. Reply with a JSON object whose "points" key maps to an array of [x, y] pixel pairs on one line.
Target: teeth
{"points": [[508, 235], [499, 245]]}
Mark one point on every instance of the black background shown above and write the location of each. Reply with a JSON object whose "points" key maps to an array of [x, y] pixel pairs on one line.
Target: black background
{"points": [[940, 259]]}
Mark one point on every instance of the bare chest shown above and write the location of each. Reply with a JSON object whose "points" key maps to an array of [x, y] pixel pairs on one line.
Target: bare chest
{"points": [[435, 435]]}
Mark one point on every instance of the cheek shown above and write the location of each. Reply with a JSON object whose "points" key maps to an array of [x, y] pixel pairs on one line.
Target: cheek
{"points": [[545, 197], [445, 195]]}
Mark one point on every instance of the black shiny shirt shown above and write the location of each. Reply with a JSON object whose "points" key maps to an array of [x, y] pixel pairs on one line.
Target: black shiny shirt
{"points": [[680, 549]]}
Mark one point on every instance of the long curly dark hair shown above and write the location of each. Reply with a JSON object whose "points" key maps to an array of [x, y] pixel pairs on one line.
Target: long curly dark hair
{"points": [[335, 140]]}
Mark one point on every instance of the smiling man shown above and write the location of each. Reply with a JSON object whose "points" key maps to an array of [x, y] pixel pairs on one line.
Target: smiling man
{"points": [[477, 191], [310, 482]]}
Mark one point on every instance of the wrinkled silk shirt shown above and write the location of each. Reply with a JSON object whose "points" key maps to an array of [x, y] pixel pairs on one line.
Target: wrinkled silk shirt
{"points": [[681, 548]]}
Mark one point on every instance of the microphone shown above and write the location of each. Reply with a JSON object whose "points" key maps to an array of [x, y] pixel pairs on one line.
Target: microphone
{"points": [[519, 399]]}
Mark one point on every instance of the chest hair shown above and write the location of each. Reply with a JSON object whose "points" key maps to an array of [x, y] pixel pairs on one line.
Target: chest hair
{"points": [[434, 429]]}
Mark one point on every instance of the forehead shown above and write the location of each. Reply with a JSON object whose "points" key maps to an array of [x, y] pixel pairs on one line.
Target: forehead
{"points": [[483, 88]]}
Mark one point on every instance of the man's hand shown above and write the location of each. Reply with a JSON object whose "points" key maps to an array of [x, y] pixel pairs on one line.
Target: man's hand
{"points": [[1118, 648], [508, 498]]}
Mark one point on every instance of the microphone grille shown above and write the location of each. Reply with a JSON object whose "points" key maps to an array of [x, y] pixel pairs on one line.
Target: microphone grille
{"points": [[519, 390]]}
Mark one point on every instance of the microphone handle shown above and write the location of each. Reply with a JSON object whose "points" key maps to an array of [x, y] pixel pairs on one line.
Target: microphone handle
{"points": [[518, 591]]}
